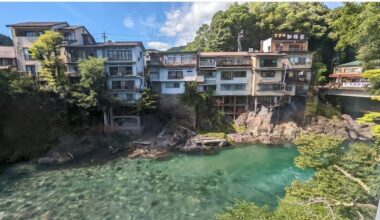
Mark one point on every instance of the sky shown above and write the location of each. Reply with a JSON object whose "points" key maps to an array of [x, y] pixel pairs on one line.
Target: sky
{"points": [[159, 25]]}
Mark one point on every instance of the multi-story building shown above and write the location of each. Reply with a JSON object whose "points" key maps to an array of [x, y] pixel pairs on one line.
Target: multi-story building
{"points": [[124, 67], [124, 64], [349, 75], [7, 59], [25, 34], [169, 71], [297, 62], [229, 76], [269, 86]]}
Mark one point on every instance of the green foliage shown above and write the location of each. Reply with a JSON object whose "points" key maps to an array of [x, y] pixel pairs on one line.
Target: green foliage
{"points": [[30, 119], [246, 211], [317, 151], [374, 77], [192, 98], [321, 72], [147, 103], [220, 135], [328, 110], [46, 49], [90, 92], [176, 49], [330, 194], [371, 118], [358, 25], [5, 40]]}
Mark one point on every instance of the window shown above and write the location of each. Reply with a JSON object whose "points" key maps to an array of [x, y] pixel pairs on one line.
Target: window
{"points": [[209, 88], [210, 75], [31, 69], [125, 70], [175, 74], [129, 97], [297, 60], [241, 100], [170, 85], [268, 73], [26, 54], [294, 47], [32, 33], [113, 70], [270, 87], [116, 84], [119, 54], [231, 75], [268, 62], [130, 84], [233, 87], [5, 62]]}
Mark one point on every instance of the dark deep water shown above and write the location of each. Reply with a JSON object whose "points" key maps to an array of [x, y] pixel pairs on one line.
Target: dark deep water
{"points": [[184, 187], [354, 106]]}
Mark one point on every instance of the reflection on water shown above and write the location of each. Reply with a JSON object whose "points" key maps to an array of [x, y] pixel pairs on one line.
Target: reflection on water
{"points": [[184, 187]]}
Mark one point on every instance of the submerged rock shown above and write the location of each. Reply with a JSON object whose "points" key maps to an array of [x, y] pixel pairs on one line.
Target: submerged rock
{"points": [[56, 158], [200, 143]]}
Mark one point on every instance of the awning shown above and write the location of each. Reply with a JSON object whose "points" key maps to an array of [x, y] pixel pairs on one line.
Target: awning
{"points": [[353, 75]]}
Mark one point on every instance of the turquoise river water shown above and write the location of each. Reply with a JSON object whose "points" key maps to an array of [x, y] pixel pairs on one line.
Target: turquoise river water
{"points": [[183, 187]]}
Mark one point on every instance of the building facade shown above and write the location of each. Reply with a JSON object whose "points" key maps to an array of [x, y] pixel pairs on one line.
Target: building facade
{"points": [[349, 75], [169, 71], [7, 59], [124, 64]]}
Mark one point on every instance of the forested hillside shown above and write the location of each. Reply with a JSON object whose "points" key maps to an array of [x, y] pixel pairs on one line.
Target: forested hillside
{"points": [[336, 35]]}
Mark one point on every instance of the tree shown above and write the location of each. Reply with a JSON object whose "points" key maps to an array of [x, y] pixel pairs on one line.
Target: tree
{"points": [[346, 187], [358, 25], [89, 96], [192, 98], [147, 103], [317, 154], [5, 40], [46, 49]]}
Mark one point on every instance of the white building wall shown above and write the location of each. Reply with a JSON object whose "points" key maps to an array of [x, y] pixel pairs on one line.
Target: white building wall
{"points": [[241, 80], [266, 44]]}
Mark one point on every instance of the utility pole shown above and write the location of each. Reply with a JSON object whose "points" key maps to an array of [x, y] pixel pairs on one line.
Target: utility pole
{"points": [[240, 36], [104, 36]]}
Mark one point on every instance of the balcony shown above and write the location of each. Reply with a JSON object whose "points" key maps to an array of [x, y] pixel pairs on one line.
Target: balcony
{"points": [[118, 74], [172, 63], [210, 64], [154, 77], [234, 62], [355, 84]]}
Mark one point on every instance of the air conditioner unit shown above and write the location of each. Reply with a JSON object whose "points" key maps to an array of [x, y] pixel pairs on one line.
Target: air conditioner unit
{"points": [[250, 50]]}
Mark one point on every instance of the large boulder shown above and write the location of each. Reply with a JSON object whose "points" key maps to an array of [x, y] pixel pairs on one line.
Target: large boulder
{"points": [[201, 143]]}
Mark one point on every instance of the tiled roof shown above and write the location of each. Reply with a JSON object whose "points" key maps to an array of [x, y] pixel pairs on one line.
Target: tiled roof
{"points": [[71, 27], [267, 54], [36, 24], [353, 63], [215, 54], [7, 52], [122, 43]]}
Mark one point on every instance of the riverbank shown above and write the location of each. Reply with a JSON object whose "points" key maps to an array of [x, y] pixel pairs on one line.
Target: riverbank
{"points": [[179, 188]]}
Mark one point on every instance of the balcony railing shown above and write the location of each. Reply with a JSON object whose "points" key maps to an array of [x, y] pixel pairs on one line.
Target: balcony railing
{"points": [[355, 84], [234, 62], [172, 63], [129, 73], [207, 63]]}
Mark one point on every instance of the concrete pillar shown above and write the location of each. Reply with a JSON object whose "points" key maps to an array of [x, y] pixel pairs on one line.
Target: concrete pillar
{"points": [[255, 108]]}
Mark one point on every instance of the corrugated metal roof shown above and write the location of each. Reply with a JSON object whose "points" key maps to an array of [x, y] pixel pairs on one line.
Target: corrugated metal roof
{"points": [[7, 52], [353, 63], [36, 24]]}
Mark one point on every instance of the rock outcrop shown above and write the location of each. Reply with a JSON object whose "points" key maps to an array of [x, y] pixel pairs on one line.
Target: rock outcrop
{"points": [[56, 158], [263, 127], [344, 127], [200, 143]]}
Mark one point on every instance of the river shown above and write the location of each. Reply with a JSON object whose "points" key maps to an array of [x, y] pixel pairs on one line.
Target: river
{"points": [[183, 187]]}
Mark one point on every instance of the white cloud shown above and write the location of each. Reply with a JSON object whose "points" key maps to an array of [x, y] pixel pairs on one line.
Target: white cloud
{"points": [[158, 45], [150, 22], [183, 23], [128, 22]]}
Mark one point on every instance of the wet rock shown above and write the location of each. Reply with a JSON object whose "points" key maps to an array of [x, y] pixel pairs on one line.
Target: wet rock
{"points": [[56, 158], [181, 136], [200, 143]]}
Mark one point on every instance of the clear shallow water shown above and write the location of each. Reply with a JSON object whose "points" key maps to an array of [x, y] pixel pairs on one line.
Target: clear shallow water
{"points": [[184, 187]]}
